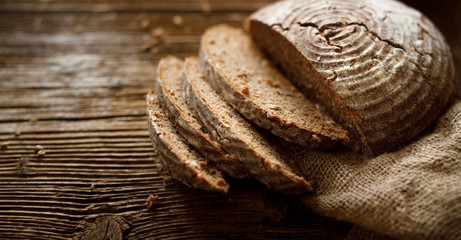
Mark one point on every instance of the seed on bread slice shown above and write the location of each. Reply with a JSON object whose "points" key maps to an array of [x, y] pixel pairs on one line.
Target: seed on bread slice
{"points": [[183, 163], [168, 84], [248, 81], [238, 136]]}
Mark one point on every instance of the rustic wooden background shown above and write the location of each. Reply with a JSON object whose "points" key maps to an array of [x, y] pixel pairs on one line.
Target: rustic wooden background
{"points": [[73, 80]]}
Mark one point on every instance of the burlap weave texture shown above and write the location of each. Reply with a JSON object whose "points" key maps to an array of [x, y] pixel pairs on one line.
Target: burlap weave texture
{"points": [[413, 193]]}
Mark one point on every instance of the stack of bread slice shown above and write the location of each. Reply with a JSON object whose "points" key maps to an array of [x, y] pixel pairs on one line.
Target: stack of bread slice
{"points": [[230, 111], [227, 113]]}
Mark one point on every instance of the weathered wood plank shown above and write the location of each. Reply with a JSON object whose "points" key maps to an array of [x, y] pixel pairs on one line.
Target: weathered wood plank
{"points": [[73, 79], [123, 6]]}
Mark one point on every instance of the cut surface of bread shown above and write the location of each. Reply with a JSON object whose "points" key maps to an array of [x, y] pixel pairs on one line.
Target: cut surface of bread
{"points": [[381, 68], [248, 81], [238, 136], [183, 163], [168, 84]]}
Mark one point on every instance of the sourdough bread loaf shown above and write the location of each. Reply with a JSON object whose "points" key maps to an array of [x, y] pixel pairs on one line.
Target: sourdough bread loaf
{"points": [[168, 84], [238, 136], [381, 68], [183, 163], [248, 81]]}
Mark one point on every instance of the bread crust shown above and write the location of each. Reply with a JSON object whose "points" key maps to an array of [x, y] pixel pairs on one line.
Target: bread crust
{"points": [[183, 163], [239, 138], [172, 101], [259, 92], [382, 69]]}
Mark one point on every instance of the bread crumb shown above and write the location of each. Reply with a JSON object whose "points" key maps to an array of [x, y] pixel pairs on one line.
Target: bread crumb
{"points": [[33, 119], [4, 145], [38, 148], [167, 180], [92, 186], [178, 21], [89, 208], [221, 182], [148, 45], [158, 32], [78, 28], [151, 200], [315, 138], [41, 153], [206, 8], [245, 90], [144, 24]]}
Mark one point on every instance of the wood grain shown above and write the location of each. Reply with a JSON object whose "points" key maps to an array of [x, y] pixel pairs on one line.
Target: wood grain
{"points": [[73, 81]]}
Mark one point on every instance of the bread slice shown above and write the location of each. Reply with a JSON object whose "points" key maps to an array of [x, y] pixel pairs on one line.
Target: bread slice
{"points": [[381, 68], [183, 163], [244, 78], [238, 136], [168, 84]]}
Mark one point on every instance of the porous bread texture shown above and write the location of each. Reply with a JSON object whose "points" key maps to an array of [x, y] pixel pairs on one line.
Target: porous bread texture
{"points": [[168, 84], [248, 81], [238, 136], [380, 68], [183, 163]]}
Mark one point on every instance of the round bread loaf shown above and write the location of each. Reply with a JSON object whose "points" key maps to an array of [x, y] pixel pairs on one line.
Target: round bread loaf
{"points": [[380, 68]]}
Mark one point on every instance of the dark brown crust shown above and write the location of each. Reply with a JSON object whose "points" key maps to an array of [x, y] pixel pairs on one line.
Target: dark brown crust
{"points": [[185, 126], [266, 167], [393, 75], [317, 91], [187, 167]]}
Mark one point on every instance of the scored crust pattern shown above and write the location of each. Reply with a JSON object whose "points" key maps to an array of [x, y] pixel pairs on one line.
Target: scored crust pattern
{"points": [[380, 67]]}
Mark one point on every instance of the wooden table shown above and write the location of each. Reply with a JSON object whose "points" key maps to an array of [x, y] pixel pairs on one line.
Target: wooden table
{"points": [[76, 159]]}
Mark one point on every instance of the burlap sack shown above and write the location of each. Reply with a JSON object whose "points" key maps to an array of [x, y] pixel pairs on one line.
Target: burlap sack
{"points": [[414, 193]]}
